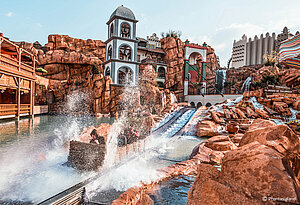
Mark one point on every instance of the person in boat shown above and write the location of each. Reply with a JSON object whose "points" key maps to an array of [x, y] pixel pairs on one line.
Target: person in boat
{"points": [[96, 139]]}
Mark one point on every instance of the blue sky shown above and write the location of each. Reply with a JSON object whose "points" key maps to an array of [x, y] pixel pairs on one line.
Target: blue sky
{"points": [[217, 22]]}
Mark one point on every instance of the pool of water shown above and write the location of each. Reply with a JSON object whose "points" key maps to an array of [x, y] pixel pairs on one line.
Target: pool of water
{"points": [[32, 154], [173, 191]]}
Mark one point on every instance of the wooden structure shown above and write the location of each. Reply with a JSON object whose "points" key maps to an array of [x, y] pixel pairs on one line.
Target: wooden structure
{"points": [[17, 77]]}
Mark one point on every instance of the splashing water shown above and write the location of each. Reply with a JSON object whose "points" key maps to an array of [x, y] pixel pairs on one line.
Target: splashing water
{"points": [[256, 104], [220, 79], [294, 114], [130, 100], [163, 100], [246, 85], [143, 167], [78, 103], [31, 167], [112, 143], [173, 98]]}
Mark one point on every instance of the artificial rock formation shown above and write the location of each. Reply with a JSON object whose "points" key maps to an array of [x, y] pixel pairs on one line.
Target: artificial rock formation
{"points": [[260, 161], [75, 77]]}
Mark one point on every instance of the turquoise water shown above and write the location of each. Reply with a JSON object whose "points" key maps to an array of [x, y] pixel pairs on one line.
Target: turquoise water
{"points": [[32, 154], [173, 191]]}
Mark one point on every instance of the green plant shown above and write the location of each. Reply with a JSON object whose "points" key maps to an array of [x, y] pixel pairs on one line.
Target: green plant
{"points": [[229, 83], [41, 70], [270, 80], [95, 69], [171, 33], [257, 84], [272, 59]]}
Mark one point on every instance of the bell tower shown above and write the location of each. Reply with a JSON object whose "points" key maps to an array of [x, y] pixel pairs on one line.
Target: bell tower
{"points": [[121, 48]]}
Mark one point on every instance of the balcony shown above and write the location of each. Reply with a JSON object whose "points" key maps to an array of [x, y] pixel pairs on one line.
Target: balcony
{"points": [[16, 61], [149, 60], [12, 109]]}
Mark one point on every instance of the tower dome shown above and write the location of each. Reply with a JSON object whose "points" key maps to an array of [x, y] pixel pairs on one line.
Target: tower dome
{"points": [[123, 12]]}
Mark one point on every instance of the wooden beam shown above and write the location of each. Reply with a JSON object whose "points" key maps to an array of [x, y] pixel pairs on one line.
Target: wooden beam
{"points": [[18, 100], [31, 98], [1, 40], [16, 80], [1, 75], [19, 57]]}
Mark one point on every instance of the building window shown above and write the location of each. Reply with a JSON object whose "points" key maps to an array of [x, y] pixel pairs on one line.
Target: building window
{"points": [[111, 30], [189, 77], [124, 76], [109, 52], [161, 72], [125, 30], [107, 71], [125, 52]]}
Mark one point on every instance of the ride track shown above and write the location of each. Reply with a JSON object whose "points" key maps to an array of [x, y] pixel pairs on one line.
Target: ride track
{"points": [[76, 194]]}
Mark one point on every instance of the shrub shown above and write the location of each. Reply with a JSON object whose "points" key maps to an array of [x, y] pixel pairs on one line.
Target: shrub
{"points": [[41, 70]]}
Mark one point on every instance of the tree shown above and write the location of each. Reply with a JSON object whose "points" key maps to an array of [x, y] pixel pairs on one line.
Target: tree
{"points": [[171, 33]]}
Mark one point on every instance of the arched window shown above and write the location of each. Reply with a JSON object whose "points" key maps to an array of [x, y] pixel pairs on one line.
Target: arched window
{"points": [[125, 52], [189, 77], [109, 52], [160, 84], [191, 90], [208, 104], [125, 30], [161, 72], [192, 104], [107, 71], [124, 76], [199, 104], [111, 30], [194, 57]]}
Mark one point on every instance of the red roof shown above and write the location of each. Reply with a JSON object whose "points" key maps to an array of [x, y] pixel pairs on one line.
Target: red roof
{"points": [[193, 45], [157, 50]]}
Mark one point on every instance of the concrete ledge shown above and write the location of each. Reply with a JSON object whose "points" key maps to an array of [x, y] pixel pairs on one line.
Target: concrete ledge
{"points": [[40, 109], [212, 99]]}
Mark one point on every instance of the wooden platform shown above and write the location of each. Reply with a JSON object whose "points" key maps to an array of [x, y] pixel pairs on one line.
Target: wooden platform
{"points": [[17, 78]]}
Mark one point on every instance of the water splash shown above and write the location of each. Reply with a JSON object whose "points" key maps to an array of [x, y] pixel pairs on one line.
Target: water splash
{"points": [[173, 98], [163, 100], [31, 167], [256, 104], [77, 103], [143, 167], [220, 80], [129, 103], [246, 85], [294, 114], [112, 143]]}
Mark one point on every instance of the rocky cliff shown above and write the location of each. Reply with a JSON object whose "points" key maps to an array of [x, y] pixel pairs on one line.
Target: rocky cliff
{"points": [[74, 81]]}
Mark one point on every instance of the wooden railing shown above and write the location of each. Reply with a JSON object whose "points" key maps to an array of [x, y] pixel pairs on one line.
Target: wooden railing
{"points": [[14, 64], [12, 109]]}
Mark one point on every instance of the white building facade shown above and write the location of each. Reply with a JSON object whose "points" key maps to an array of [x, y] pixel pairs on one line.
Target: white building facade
{"points": [[250, 52], [121, 48]]}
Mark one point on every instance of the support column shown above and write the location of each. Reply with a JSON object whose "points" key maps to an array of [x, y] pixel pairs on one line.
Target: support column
{"points": [[1, 40], [31, 99], [203, 78], [186, 77], [18, 99], [19, 57]]}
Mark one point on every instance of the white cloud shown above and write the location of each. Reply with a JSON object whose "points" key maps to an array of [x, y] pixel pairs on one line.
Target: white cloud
{"points": [[239, 29], [10, 14]]}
